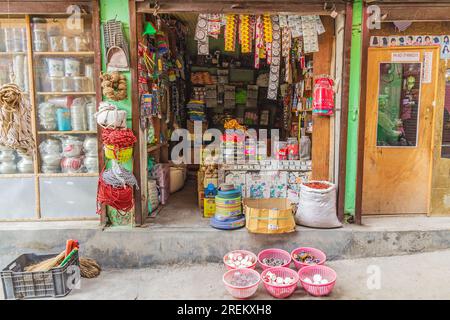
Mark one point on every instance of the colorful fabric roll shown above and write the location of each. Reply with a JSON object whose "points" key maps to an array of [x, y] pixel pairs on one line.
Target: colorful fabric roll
{"points": [[244, 33], [230, 32], [259, 40], [268, 36], [214, 24]]}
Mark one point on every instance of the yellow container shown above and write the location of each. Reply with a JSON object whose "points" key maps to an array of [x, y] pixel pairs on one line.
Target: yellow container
{"points": [[122, 155], [209, 207]]}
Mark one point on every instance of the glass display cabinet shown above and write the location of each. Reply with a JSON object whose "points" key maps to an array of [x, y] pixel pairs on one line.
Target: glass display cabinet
{"points": [[52, 58]]}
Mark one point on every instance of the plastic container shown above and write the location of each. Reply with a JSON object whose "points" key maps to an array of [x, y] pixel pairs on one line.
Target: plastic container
{"points": [[79, 84], [63, 119], [281, 291], [67, 84], [18, 284], [56, 84], [274, 253], [238, 291], [55, 43], [243, 252], [68, 44], [317, 290], [230, 224], [72, 67], [312, 251], [55, 67]]}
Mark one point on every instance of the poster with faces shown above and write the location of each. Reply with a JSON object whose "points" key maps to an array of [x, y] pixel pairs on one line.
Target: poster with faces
{"points": [[445, 47], [375, 41], [393, 41]]}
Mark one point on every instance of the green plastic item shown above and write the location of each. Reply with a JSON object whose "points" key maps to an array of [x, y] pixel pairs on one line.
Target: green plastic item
{"points": [[353, 108], [149, 29], [69, 256], [241, 96]]}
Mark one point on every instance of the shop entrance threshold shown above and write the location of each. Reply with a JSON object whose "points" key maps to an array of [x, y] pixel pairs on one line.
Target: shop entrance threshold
{"points": [[179, 234]]}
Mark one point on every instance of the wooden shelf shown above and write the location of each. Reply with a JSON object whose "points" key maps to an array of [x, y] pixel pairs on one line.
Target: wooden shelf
{"points": [[66, 132], [13, 53], [64, 53], [16, 175], [62, 175], [68, 93]]}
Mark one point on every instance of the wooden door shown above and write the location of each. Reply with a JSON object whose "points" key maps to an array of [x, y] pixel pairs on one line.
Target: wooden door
{"points": [[401, 93]]}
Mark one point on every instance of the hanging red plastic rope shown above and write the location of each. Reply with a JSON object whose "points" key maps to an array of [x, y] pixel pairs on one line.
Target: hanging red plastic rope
{"points": [[323, 96], [120, 198], [120, 139]]}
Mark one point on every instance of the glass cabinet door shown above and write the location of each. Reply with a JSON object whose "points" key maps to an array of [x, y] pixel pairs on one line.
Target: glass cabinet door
{"points": [[51, 58]]}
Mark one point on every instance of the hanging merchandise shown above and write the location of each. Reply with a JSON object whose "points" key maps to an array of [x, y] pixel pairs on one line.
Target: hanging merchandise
{"points": [[268, 36], [201, 34], [244, 33], [310, 38], [274, 78], [120, 198], [118, 144], [295, 24], [119, 177], [117, 55], [323, 96], [15, 120], [214, 24], [108, 116], [230, 32], [114, 86], [319, 26], [259, 40]]}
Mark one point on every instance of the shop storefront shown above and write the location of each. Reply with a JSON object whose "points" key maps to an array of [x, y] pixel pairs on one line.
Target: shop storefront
{"points": [[191, 65], [50, 50], [404, 153]]}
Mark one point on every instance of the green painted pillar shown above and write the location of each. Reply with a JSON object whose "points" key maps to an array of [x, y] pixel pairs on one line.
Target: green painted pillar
{"points": [[119, 10], [353, 108]]}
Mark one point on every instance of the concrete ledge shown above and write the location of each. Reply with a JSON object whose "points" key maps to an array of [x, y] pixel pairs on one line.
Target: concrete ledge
{"points": [[143, 247]]}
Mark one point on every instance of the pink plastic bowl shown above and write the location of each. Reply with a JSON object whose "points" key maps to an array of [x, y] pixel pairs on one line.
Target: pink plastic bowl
{"points": [[274, 253], [312, 251], [281, 290], [244, 252], [241, 292], [317, 290]]}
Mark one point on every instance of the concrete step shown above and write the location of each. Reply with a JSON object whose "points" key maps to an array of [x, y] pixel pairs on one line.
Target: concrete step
{"points": [[124, 247]]}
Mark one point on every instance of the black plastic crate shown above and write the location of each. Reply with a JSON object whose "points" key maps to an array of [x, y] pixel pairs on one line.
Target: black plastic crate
{"points": [[18, 284]]}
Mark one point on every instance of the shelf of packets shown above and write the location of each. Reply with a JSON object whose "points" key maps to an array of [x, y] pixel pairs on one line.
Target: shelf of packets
{"points": [[266, 184], [264, 165]]}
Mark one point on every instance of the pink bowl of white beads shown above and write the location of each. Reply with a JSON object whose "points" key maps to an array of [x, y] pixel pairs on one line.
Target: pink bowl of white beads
{"points": [[239, 259]]}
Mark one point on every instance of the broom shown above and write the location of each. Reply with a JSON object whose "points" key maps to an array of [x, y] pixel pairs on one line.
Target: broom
{"points": [[89, 268]]}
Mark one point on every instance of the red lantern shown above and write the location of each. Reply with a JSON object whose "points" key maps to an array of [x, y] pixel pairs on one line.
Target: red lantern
{"points": [[323, 96]]}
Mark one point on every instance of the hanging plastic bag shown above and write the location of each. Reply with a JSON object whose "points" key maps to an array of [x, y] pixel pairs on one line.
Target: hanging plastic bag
{"points": [[323, 96], [317, 207]]}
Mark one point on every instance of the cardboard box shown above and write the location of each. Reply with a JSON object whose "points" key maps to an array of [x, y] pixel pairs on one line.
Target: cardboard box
{"points": [[269, 216]]}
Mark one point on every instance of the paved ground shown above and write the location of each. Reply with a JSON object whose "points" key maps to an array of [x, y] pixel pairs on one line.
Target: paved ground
{"points": [[420, 276]]}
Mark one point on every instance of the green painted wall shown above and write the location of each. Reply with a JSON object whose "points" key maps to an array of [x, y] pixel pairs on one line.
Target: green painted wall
{"points": [[118, 9], [353, 108]]}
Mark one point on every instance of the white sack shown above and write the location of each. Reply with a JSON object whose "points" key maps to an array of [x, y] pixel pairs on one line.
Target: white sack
{"points": [[317, 207]]}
